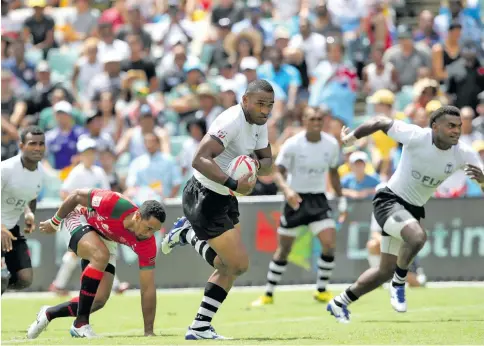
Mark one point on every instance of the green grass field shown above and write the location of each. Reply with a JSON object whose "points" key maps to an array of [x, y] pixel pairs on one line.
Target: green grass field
{"points": [[436, 316]]}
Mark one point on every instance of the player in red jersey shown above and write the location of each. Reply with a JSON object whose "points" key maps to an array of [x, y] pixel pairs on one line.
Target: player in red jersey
{"points": [[97, 221]]}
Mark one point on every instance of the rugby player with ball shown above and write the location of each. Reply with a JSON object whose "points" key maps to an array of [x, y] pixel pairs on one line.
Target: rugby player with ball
{"points": [[223, 170]]}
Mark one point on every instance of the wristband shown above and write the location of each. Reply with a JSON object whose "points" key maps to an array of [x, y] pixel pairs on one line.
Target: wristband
{"points": [[231, 183], [55, 221]]}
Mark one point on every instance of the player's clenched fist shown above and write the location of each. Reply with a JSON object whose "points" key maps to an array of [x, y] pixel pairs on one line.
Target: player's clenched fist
{"points": [[293, 199], [246, 184], [47, 227]]}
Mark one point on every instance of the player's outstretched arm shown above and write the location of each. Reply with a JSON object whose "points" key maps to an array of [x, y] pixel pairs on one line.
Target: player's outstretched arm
{"points": [[264, 156], [369, 127], [75, 198], [148, 299]]}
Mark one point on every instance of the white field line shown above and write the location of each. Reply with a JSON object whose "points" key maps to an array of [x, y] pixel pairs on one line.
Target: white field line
{"points": [[52, 341], [287, 288]]}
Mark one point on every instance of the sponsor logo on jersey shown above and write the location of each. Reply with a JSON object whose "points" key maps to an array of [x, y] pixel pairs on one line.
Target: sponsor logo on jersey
{"points": [[449, 168], [96, 201], [221, 134]]}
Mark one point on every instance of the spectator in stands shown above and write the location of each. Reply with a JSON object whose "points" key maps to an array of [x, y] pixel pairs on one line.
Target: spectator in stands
{"points": [[110, 80], [109, 45], [108, 160], [138, 60], [477, 123], [358, 184], [135, 27], [311, 44], [132, 140], [82, 23], [216, 41], [140, 96], [174, 74], [425, 32], [86, 174], [281, 38], [253, 21], [425, 90], [86, 68], [444, 54], [39, 97], [229, 96], [471, 26], [285, 76], [344, 169], [175, 29], [247, 43], [112, 122], [468, 134], [208, 100], [378, 74], [197, 129], [466, 77], [10, 135], [47, 118], [421, 118], [323, 24], [155, 170], [473, 189], [39, 28], [407, 57], [227, 9], [95, 131], [61, 141], [115, 16], [378, 24], [22, 69], [228, 73]]}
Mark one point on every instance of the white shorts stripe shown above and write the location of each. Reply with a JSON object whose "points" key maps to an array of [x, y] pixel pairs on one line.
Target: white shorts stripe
{"points": [[319, 226]]}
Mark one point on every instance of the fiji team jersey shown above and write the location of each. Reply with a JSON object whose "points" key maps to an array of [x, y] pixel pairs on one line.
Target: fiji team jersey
{"points": [[106, 213]]}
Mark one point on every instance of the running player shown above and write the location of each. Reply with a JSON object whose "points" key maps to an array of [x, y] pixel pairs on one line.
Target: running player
{"points": [[211, 210], [429, 156], [304, 159], [21, 184], [97, 221]]}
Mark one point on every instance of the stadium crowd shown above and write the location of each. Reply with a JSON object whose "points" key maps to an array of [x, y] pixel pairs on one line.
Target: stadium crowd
{"points": [[125, 90]]}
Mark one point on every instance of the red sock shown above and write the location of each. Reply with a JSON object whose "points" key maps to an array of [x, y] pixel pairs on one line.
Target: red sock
{"points": [[90, 279]]}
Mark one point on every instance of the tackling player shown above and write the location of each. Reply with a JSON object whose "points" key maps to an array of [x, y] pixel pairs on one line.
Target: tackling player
{"points": [[429, 156], [304, 159], [97, 220], [21, 184], [211, 210]]}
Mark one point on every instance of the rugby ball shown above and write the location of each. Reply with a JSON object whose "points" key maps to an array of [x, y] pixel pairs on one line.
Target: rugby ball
{"points": [[239, 167]]}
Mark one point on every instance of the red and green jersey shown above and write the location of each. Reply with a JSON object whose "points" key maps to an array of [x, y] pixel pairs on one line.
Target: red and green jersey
{"points": [[107, 212]]}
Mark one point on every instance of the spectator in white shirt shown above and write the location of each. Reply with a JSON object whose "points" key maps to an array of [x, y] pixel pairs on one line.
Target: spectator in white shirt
{"points": [[174, 30], [197, 128], [85, 174], [312, 44], [110, 44]]}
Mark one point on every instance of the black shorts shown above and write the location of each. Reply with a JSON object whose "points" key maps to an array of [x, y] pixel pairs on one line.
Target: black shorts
{"points": [[314, 207], [210, 214], [387, 203], [19, 257]]}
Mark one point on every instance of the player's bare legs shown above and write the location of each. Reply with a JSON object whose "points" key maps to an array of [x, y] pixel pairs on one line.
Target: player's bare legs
{"points": [[23, 279], [277, 267], [373, 247], [414, 237], [327, 238], [233, 255]]}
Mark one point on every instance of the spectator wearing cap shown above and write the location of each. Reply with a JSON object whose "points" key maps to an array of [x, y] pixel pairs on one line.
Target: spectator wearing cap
{"points": [[208, 100], [87, 67], [154, 169], [39, 28], [139, 60], [94, 131], [86, 175], [466, 77], [61, 141], [109, 80], [174, 29], [197, 129], [81, 23], [47, 119], [241, 45], [424, 90], [344, 169], [379, 75], [21, 68], [455, 12], [132, 140], [183, 99], [38, 98], [135, 27], [253, 21], [281, 37], [109, 45], [358, 184], [287, 77], [407, 57], [478, 122], [229, 9], [425, 32], [115, 16], [444, 54]]}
